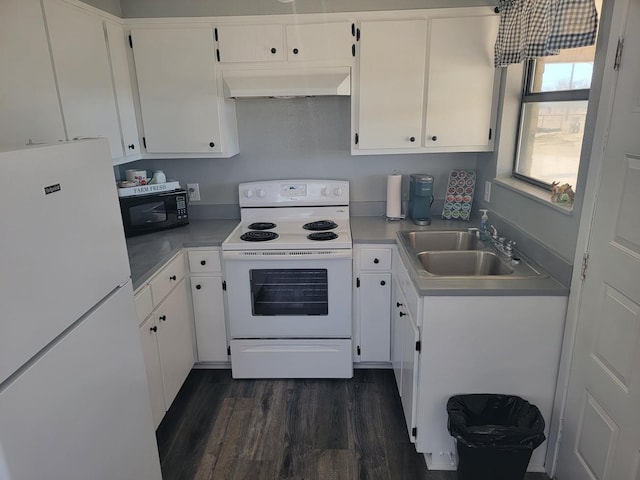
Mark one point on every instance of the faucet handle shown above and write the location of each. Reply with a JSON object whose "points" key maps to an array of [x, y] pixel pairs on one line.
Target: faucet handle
{"points": [[493, 231]]}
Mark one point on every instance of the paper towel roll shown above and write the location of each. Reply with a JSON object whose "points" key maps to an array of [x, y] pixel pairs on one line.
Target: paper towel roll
{"points": [[394, 195]]}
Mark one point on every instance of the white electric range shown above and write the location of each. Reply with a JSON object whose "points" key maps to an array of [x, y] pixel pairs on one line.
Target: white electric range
{"points": [[289, 276]]}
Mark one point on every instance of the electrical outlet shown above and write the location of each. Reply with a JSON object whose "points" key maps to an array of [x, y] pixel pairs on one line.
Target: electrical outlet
{"points": [[194, 192], [487, 191]]}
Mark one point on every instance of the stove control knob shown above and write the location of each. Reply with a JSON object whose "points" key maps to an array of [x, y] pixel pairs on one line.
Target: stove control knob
{"points": [[261, 193], [337, 191], [248, 193]]}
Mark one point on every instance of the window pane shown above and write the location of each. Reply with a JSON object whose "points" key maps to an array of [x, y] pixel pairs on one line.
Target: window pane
{"points": [[551, 140]]}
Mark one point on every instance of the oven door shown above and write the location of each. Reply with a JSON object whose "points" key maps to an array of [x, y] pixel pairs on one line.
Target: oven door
{"points": [[275, 294]]}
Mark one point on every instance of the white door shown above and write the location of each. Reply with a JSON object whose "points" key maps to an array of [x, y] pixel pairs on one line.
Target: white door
{"points": [[208, 312], [176, 75], [391, 85], [251, 43], [81, 410], [29, 106], [323, 42], [82, 69], [602, 420], [460, 82]]}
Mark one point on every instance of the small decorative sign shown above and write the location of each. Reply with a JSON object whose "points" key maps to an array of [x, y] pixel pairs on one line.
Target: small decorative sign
{"points": [[147, 189]]}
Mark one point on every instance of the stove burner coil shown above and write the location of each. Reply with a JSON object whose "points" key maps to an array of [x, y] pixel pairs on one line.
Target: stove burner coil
{"points": [[320, 225], [321, 236], [262, 226], [258, 236]]}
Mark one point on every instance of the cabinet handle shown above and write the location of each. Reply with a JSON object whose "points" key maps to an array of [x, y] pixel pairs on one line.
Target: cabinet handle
{"points": [[154, 329], [273, 50], [295, 51], [412, 139], [375, 260], [173, 277], [203, 262], [402, 314], [383, 283], [131, 147], [163, 318], [198, 287], [398, 304], [434, 138], [211, 144]]}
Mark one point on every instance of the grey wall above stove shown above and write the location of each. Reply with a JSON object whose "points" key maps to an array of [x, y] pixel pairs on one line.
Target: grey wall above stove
{"points": [[300, 138]]}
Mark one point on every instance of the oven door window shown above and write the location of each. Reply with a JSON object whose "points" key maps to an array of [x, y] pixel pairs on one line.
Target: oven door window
{"points": [[148, 214], [290, 291]]}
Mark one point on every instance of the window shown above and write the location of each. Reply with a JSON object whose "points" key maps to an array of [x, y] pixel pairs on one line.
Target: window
{"points": [[552, 117]]}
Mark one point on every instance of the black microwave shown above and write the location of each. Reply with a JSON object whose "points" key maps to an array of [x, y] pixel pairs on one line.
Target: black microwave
{"points": [[154, 212]]}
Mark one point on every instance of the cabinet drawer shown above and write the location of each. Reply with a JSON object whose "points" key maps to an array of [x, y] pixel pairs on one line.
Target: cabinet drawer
{"points": [[144, 303], [375, 259], [201, 261], [167, 278]]}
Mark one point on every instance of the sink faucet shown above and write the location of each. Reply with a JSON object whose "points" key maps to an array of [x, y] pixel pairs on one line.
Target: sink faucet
{"points": [[500, 244]]}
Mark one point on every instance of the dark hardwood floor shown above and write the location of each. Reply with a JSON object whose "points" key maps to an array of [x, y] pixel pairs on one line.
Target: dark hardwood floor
{"points": [[224, 429]]}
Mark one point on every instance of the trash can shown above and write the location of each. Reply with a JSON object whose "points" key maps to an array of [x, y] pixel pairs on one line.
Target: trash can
{"points": [[495, 435]]}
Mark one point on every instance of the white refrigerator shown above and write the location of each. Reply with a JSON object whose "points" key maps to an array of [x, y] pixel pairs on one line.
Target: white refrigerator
{"points": [[74, 402]]}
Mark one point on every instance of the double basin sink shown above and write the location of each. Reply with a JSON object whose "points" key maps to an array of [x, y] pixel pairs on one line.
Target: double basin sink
{"points": [[459, 254]]}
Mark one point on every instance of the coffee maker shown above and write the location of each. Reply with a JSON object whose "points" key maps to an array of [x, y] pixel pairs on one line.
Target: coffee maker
{"points": [[420, 198]]}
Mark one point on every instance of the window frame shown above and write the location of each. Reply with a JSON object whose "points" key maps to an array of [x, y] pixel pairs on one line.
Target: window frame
{"points": [[528, 96]]}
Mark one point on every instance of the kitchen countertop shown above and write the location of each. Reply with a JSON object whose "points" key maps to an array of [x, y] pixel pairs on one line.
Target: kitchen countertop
{"points": [[149, 252]]}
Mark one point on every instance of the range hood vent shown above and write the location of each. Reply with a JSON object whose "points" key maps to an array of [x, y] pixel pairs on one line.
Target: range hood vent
{"points": [[297, 82]]}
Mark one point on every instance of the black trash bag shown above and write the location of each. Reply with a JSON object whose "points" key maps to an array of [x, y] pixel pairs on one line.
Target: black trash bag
{"points": [[492, 420]]}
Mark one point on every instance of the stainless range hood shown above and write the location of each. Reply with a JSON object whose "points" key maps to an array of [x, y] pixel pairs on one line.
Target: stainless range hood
{"points": [[289, 82]]}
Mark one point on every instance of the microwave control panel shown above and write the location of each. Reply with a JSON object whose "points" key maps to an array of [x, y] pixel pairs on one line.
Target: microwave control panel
{"points": [[181, 207]]}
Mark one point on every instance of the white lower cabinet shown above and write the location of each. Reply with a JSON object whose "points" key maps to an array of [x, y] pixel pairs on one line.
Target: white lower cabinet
{"points": [[405, 350], [167, 336], [208, 305], [372, 303]]}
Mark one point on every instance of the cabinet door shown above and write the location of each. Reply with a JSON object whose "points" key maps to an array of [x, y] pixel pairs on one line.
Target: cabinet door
{"points": [[410, 363], [208, 311], [29, 106], [375, 322], [391, 84], [397, 334], [460, 82], [177, 82], [320, 42], [251, 43], [149, 340], [81, 63], [175, 340], [122, 86]]}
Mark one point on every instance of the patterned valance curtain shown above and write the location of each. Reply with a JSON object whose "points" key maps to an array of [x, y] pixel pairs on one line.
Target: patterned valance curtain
{"points": [[538, 28]]}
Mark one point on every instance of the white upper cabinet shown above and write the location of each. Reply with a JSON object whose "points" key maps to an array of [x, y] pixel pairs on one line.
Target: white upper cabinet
{"points": [[29, 106], [122, 85], [250, 43], [82, 68], [182, 111], [308, 42], [390, 89], [460, 83], [320, 42]]}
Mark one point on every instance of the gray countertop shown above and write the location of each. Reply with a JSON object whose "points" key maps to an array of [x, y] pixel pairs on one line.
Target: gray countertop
{"points": [[149, 252]]}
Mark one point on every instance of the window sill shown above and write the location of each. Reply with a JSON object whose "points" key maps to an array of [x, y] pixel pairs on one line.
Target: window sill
{"points": [[536, 194]]}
